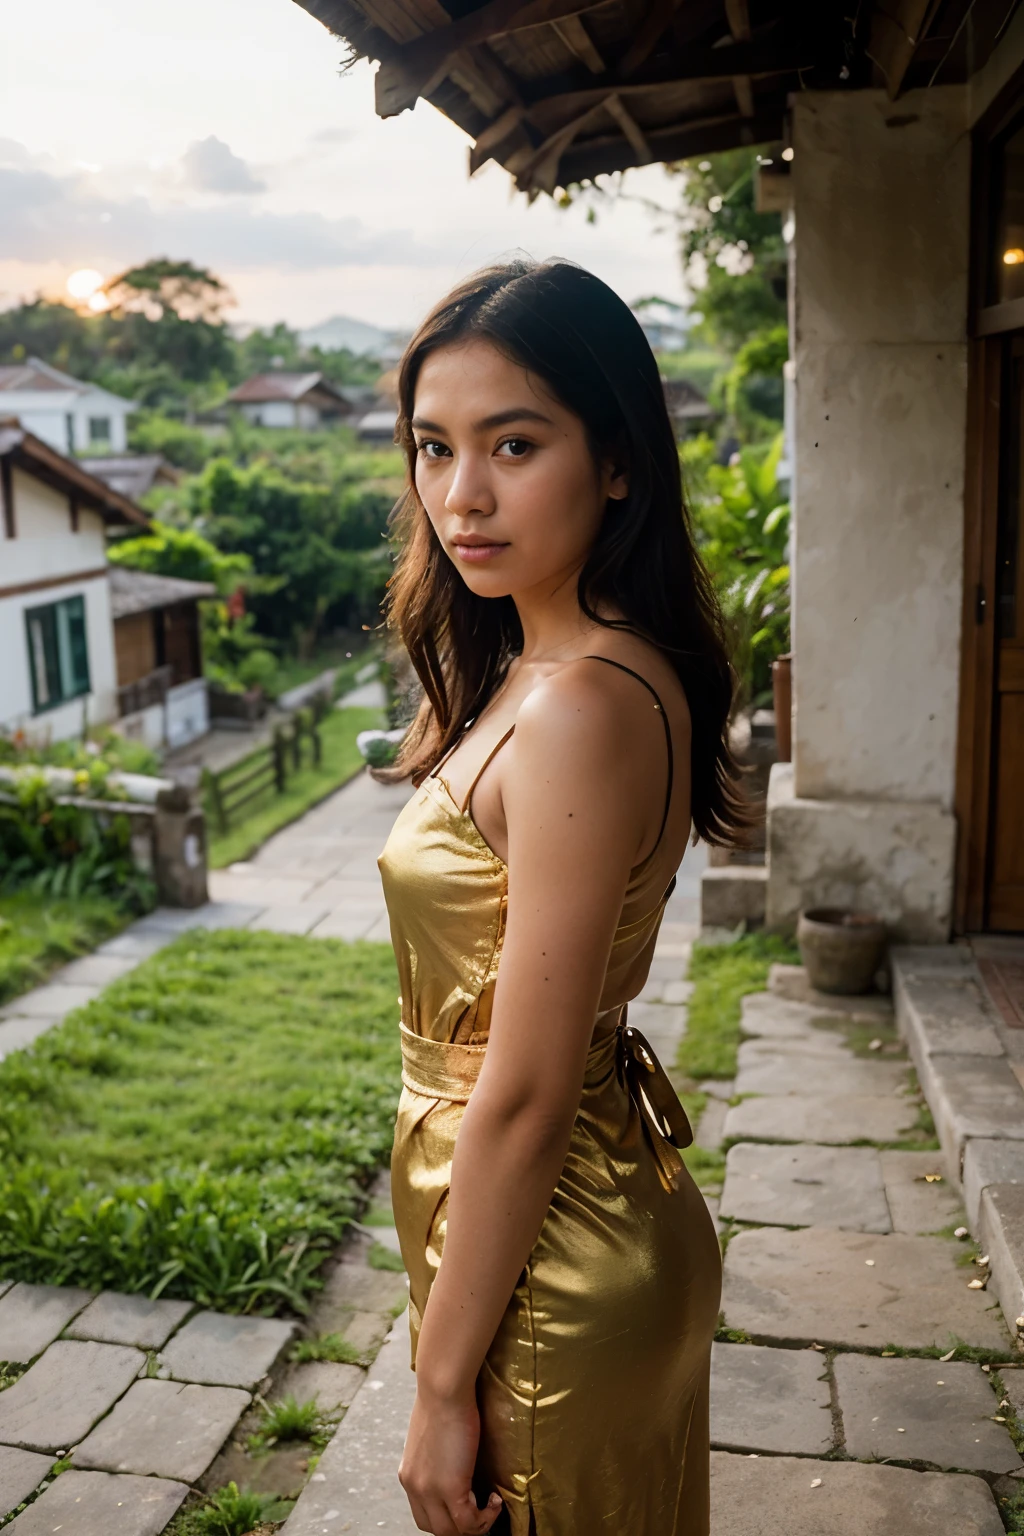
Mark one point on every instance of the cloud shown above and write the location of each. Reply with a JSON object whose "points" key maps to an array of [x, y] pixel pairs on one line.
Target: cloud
{"points": [[210, 165], [51, 217], [331, 136]]}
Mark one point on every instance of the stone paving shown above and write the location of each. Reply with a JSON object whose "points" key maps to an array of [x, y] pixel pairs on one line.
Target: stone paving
{"points": [[831, 1409]]}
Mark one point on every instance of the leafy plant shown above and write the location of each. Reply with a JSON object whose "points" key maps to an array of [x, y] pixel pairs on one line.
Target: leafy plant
{"points": [[288, 1419], [231, 1512], [62, 850], [741, 522]]}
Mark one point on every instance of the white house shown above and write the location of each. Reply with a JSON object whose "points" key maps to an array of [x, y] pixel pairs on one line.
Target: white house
{"points": [[56, 628], [69, 414], [303, 400]]}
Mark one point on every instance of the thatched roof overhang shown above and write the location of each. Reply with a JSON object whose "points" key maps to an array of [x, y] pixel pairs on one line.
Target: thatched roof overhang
{"points": [[561, 91]]}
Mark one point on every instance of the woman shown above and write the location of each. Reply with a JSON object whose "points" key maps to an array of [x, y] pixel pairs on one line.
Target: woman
{"points": [[576, 692]]}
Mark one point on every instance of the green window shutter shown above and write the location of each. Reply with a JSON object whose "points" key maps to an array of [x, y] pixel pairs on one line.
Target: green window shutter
{"points": [[58, 652], [78, 646]]}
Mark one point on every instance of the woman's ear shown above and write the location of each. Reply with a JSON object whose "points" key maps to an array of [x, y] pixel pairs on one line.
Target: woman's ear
{"points": [[616, 479]]}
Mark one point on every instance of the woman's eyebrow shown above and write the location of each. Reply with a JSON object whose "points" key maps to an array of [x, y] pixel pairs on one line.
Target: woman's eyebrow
{"points": [[488, 423]]}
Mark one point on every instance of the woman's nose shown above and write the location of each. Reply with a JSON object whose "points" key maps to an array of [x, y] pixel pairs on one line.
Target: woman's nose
{"points": [[469, 489]]}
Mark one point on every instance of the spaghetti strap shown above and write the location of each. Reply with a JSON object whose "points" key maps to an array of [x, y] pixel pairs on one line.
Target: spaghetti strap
{"points": [[659, 706], [487, 760]]}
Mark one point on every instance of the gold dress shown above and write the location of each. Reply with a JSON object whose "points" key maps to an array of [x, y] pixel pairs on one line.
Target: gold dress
{"points": [[594, 1393]]}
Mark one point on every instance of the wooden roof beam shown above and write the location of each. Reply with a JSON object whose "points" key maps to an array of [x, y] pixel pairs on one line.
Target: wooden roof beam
{"points": [[630, 128], [652, 29], [737, 14], [580, 43], [897, 27], [418, 67], [678, 141]]}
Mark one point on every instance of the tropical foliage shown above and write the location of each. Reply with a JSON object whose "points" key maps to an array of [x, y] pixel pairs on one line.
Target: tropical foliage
{"points": [[741, 521]]}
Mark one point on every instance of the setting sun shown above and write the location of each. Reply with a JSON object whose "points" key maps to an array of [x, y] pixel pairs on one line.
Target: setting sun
{"points": [[84, 283]]}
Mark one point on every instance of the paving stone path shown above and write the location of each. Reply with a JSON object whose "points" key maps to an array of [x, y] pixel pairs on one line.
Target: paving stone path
{"points": [[831, 1409]]}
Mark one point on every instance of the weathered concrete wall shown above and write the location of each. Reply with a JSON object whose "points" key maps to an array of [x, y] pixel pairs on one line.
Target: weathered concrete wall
{"points": [[881, 195], [879, 318], [890, 857]]}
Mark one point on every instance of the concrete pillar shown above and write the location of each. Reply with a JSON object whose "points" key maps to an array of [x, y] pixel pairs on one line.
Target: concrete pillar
{"points": [[863, 815], [179, 839]]}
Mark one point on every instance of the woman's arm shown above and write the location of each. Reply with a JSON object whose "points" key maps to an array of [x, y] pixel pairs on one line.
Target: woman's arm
{"points": [[577, 792]]}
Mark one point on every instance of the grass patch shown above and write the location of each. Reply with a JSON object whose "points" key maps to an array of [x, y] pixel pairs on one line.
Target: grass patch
{"points": [[231, 1512], [380, 1257], [723, 974], [288, 1419], [206, 1127], [329, 1346], [379, 1216], [37, 934], [341, 761]]}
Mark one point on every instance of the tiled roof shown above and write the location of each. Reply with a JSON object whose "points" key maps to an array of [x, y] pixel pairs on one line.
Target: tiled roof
{"points": [[140, 591]]}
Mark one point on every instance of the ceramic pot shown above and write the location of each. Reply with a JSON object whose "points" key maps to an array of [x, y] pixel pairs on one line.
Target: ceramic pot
{"points": [[842, 951]]}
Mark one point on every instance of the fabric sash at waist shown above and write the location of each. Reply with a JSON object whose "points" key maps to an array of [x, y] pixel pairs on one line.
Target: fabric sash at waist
{"points": [[437, 1069]]}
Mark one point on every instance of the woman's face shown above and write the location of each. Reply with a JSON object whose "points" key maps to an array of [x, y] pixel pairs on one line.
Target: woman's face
{"points": [[505, 472]]}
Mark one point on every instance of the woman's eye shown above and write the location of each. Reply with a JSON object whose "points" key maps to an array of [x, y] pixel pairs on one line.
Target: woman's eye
{"points": [[434, 450], [515, 447]]}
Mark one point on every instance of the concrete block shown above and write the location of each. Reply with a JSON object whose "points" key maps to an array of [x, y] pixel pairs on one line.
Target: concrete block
{"points": [[226, 1351], [774, 1496], [944, 1014], [94, 970], [987, 1161], [99, 1504], [784, 1067], [1001, 1234], [135, 946], [59, 1399], [916, 1205], [854, 1290], [773, 1400], [290, 919], [938, 1412], [31, 1316], [17, 1034], [832, 1119], [891, 857], [164, 1429], [971, 1096], [734, 893], [792, 983], [21, 1472], [50, 1002], [804, 1186], [765, 1016], [354, 1487], [116, 1319], [333, 1386]]}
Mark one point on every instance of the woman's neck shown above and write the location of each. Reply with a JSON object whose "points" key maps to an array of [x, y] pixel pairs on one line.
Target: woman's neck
{"points": [[555, 628]]}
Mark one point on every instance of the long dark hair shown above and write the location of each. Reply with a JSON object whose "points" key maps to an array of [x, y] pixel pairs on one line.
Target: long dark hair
{"points": [[571, 330]]}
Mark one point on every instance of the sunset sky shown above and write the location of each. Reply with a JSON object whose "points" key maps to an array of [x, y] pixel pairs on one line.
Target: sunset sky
{"points": [[223, 131]]}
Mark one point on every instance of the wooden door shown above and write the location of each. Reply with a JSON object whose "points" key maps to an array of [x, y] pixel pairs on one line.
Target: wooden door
{"points": [[1006, 826]]}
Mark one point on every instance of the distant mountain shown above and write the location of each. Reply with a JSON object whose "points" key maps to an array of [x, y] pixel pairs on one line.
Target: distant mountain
{"points": [[355, 335]]}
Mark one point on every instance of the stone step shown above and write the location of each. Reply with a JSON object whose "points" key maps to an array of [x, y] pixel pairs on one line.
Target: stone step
{"points": [[732, 894], [788, 1496]]}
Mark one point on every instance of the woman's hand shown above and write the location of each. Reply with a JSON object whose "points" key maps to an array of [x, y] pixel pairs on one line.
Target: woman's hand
{"points": [[437, 1469]]}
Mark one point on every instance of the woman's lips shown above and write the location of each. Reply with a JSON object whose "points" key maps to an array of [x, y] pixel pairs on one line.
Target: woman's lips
{"points": [[479, 554]]}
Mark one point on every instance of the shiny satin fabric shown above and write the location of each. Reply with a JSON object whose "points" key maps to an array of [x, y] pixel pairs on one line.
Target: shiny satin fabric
{"points": [[594, 1393]]}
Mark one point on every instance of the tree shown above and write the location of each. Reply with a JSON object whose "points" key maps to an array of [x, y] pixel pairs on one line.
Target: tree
{"points": [[160, 287], [183, 552]]}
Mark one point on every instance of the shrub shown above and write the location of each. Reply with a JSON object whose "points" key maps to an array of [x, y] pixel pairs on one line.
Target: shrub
{"points": [[66, 850]]}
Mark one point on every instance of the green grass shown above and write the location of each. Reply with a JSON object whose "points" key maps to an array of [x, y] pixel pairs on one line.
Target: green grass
{"points": [[288, 1419], [291, 672], [723, 974], [230, 1512], [341, 761], [205, 1128], [38, 933], [380, 1257], [329, 1346]]}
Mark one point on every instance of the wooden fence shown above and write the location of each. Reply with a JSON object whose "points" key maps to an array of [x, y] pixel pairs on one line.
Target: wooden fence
{"points": [[231, 793]]}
